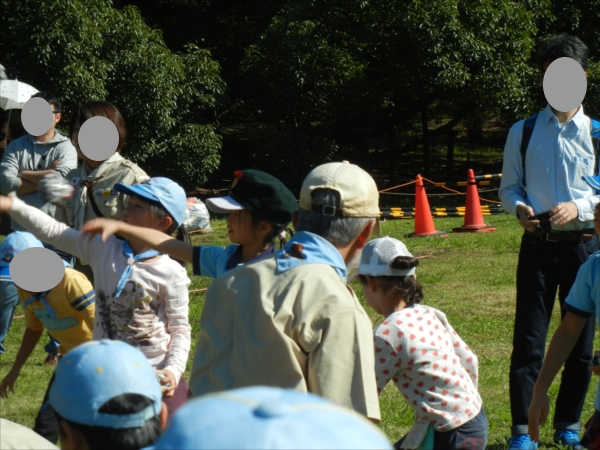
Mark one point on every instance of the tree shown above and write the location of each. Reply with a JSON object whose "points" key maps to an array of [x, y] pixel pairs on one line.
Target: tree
{"points": [[310, 81], [579, 18], [85, 50]]}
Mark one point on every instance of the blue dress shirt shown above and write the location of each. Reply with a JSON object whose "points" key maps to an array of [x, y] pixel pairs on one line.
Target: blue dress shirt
{"points": [[557, 159]]}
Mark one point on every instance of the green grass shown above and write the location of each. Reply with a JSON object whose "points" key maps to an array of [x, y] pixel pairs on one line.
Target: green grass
{"points": [[471, 277]]}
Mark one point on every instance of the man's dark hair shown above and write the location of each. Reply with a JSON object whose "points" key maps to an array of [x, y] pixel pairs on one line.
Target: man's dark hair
{"points": [[563, 46], [50, 98], [101, 438]]}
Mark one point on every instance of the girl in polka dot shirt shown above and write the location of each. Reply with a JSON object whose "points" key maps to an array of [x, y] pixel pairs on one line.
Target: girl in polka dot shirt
{"points": [[418, 350]]}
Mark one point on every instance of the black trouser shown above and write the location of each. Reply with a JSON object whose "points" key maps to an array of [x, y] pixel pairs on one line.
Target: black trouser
{"points": [[46, 424], [545, 267]]}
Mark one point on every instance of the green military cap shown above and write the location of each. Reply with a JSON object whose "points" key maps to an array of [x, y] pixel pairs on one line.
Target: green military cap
{"points": [[259, 193]]}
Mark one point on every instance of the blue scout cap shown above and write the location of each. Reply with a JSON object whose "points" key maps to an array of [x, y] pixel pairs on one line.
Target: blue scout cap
{"points": [[97, 371], [268, 418], [169, 194], [13, 244]]}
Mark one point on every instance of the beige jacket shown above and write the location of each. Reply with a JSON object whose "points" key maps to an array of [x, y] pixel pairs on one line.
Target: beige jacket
{"points": [[302, 329], [114, 170]]}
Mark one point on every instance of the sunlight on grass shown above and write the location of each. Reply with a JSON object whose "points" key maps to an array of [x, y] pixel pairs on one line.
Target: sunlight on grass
{"points": [[470, 277]]}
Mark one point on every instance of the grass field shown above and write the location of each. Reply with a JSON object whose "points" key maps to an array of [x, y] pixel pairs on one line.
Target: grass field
{"points": [[471, 277]]}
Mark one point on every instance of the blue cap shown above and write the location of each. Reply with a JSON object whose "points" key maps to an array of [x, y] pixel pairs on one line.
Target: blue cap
{"points": [[161, 190], [14, 243], [268, 418], [593, 181], [97, 371]]}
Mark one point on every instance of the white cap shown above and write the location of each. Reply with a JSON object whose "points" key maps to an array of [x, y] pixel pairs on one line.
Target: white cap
{"points": [[377, 256], [223, 205]]}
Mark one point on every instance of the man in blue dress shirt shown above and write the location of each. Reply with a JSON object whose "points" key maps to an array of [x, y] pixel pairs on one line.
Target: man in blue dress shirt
{"points": [[559, 153]]}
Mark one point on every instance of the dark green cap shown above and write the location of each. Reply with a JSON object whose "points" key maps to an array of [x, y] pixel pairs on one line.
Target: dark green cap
{"points": [[259, 193]]}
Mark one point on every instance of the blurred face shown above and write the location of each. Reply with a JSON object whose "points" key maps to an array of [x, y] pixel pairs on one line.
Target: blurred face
{"points": [[75, 140], [138, 213], [240, 228], [597, 218], [56, 116]]}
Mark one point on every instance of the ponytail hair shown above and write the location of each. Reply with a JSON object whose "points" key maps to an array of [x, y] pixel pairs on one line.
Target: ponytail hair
{"points": [[277, 232], [406, 288], [403, 263]]}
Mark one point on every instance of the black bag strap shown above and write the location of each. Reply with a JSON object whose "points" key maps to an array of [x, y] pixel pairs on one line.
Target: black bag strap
{"points": [[90, 193], [525, 138]]}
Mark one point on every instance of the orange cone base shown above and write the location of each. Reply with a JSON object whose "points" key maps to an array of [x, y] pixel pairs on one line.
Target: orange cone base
{"points": [[433, 234], [483, 228]]}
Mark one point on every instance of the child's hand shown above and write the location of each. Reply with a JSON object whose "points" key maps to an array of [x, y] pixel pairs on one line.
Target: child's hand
{"points": [[104, 227], [595, 369], [169, 379], [538, 413], [5, 204], [8, 383]]}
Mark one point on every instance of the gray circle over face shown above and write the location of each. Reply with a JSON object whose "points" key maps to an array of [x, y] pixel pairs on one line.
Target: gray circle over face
{"points": [[565, 84], [36, 269], [36, 116], [98, 138]]}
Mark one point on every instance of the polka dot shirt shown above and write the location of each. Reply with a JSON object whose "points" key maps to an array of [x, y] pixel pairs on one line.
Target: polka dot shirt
{"points": [[433, 368]]}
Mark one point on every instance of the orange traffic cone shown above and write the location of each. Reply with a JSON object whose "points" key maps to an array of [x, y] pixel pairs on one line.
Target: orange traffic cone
{"points": [[423, 219], [473, 218]]}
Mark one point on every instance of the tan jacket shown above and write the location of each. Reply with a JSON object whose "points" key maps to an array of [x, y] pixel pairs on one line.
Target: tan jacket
{"points": [[302, 329], [114, 170]]}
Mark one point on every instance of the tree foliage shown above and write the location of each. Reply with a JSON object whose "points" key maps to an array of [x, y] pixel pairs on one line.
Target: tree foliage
{"points": [[307, 81], [86, 50]]}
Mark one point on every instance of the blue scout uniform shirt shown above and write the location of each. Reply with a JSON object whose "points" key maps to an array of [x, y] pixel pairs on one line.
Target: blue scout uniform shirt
{"points": [[212, 261], [584, 297]]}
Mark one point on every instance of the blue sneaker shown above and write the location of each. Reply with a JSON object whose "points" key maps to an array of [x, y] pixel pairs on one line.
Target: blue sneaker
{"points": [[569, 438], [522, 442]]}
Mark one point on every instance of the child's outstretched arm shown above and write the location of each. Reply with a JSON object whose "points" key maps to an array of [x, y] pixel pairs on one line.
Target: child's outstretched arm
{"points": [[560, 347], [30, 340], [146, 237], [50, 231]]}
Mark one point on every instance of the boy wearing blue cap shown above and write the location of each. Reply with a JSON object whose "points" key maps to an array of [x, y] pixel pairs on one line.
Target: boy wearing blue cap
{"points": [[106, 396], [67, 310], [141, 295], [10, 246]]}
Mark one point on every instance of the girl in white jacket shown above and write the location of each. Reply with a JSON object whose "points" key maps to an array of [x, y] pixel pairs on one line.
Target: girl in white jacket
{"points": [[141, 295]]}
